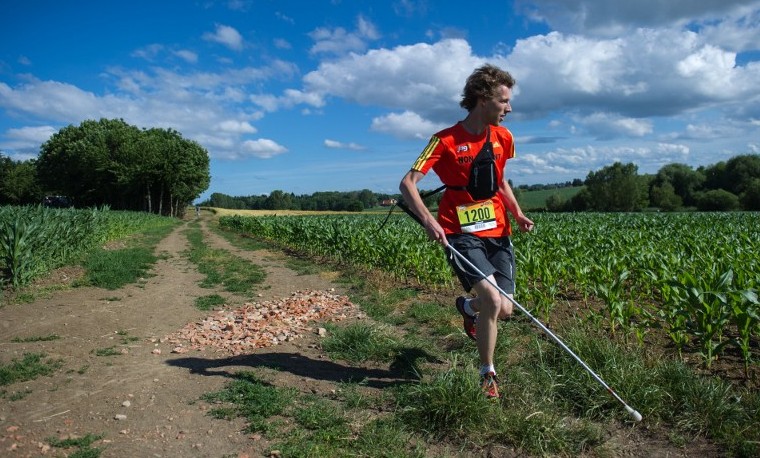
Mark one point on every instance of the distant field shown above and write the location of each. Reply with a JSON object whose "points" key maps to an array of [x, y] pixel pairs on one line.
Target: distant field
{"points": [[537, 199], [229, 212]]}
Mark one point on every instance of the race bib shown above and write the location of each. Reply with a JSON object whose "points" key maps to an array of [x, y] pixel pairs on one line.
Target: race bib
{"points": [[476, 217]]}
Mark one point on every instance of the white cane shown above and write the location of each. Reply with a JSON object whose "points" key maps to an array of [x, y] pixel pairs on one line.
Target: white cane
{"points": [[635, 414]]}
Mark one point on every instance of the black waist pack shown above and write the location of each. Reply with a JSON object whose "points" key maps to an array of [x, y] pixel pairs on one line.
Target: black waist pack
{"points": [[484, 181]]}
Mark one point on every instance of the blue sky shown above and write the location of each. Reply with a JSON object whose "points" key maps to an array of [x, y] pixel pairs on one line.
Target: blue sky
{"points": [[339, 95]]}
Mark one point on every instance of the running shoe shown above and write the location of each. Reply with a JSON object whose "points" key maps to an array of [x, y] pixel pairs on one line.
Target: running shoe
{"points": [[468, 321], [490, 385]]}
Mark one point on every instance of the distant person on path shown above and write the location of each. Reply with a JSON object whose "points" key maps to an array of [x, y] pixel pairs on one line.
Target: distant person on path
{"points": [[197, 210], [472, 212]]}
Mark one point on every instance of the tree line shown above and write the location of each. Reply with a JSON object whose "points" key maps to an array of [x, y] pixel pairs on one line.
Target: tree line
{"points": [[319, 201], [110, 163], [725, 186]]}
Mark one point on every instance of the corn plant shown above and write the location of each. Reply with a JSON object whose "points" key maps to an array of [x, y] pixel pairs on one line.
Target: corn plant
{"points": [[16, 255], [35, 240], [706, 309], [746, 316]]}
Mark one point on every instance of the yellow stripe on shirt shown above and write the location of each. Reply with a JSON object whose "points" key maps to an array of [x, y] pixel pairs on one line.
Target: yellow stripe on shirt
{"points": [[425, 155]]}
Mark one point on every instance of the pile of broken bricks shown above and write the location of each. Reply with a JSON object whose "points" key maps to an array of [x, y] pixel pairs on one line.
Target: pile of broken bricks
{"points": [[261, 324]]}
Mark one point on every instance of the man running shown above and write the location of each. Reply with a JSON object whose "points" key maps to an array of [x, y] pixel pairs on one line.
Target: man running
{"points": [[476, 226]]}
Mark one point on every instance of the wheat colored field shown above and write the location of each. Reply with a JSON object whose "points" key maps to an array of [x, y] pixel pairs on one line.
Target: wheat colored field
{"points": [[231, 212]]}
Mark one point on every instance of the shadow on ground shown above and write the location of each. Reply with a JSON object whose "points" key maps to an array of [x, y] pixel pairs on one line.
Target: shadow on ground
{"points": [[401, 370]]}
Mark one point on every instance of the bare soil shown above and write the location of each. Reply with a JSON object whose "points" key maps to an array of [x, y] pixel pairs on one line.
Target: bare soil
{"points": [[145, 400]]}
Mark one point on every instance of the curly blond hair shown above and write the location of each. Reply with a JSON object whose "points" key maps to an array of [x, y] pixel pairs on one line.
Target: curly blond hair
{"points": [[482, 83]]}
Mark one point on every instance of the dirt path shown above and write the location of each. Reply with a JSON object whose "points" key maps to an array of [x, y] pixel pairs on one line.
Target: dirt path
{"points": [[143, 402]]}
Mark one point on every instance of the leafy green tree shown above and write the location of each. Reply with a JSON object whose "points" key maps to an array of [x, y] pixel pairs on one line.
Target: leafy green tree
{"points": [[367, 198], [109, 162], [185, 171], [581, 201], [684, 180], [355, 206], [555, 203], [718, 200], [750, 198], [741, 171], [715, 176], [616, 188], [734, 175], [664, 196], [279, 200], [18, 182], [80, 162], [220, 200]]}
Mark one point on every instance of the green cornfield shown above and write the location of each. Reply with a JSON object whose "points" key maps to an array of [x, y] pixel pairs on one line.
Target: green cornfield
{"points": [[35, 239], [693, 276]]}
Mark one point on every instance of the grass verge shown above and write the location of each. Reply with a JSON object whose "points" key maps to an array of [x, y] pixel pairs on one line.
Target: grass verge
{"points": [[222, 268], [112, 269]]}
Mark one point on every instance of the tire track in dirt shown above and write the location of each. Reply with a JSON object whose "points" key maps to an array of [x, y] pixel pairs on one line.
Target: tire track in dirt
{"points": [[280, 280]]}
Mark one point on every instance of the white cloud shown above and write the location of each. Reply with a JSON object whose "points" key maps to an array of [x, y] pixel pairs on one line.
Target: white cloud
{"points": [[187, 55], [204, 106], [335, 41], [24, 143], [612, 86], [577, 162], [738, 32], [290, 98], [710, 131], [284, 18], [239, 5], [281, 43], [365, 28], [262, 148], [643, 74], [340, 41], [406, 125], [423, 78], [39, 134], [51, 100], [155, 52], [148, 52], [408, 8], [646, 73], [227, 36], [606, 126], [340, 145], [615, 18], [238, 127]]}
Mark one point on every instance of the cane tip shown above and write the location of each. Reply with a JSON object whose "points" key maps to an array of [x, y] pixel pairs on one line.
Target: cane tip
{"points": [[634, 413]]}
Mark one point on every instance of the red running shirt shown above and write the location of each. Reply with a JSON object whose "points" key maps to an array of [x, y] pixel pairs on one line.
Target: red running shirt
{"points": [[450, 153]]}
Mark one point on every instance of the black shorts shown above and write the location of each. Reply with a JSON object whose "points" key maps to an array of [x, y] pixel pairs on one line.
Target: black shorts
{"points": [[491, 255]]}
